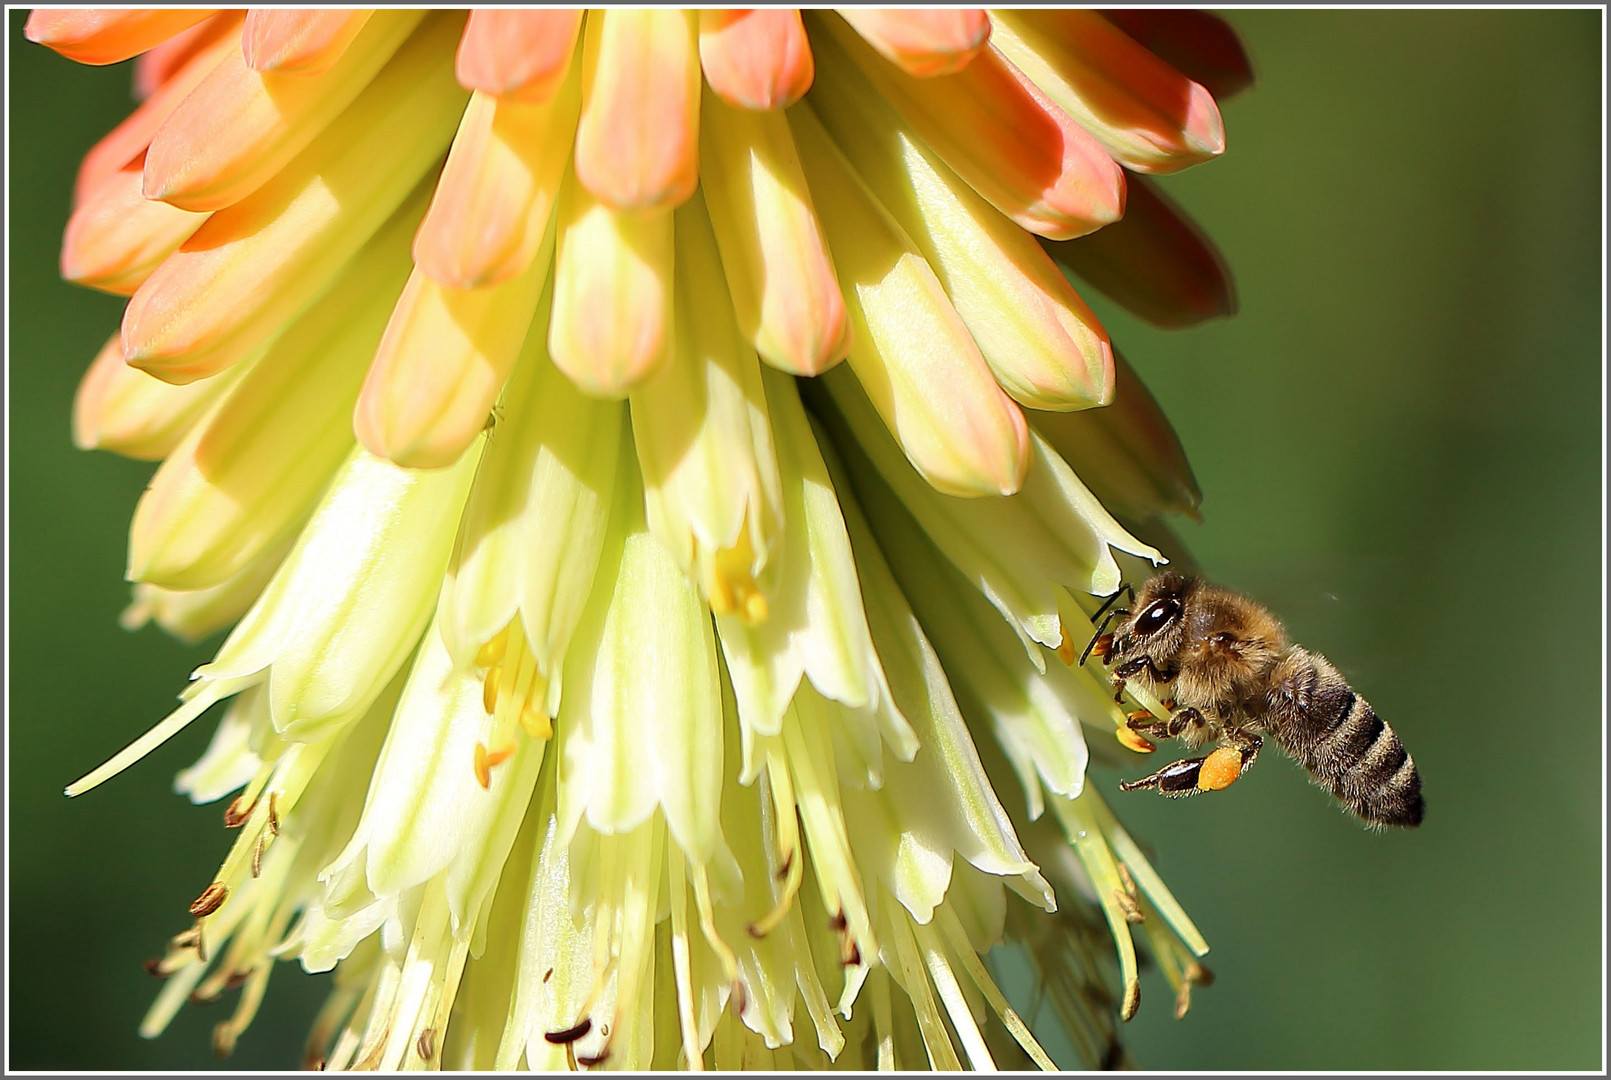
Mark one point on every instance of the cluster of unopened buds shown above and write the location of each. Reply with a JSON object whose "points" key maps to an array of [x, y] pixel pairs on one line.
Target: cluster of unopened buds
{"points": [[652, 462]]}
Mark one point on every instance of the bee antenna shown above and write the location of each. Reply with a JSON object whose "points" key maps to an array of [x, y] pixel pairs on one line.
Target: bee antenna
{"points": [[1124, 587], [1115, 613]]}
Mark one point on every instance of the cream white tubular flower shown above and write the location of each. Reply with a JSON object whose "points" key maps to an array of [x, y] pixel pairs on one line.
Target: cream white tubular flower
{"points": [[617, 679]]}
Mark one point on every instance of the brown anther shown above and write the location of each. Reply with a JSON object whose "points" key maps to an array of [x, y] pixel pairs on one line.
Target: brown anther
{"points": [[1127, 880], [257, 856], [741, 997], [1128, 905], [1183, 1000], [1132, 999], [211, 899], [198, 998], [597, 1059], [425, 1045], [235, 979], [604, 1030], [154, 967], [788, 864], [316, 1063], [274, 813], [236, 813], [1199, 973], [224, 1037], [852, 956], [837, 923], [190, 939], [549, 974], [570, 1034]]}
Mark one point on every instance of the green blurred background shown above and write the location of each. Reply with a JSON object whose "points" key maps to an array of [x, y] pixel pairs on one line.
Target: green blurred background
{"points": [[1398, 441]]}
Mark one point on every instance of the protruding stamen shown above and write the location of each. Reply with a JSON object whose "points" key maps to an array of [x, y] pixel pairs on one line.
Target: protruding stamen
{"points": [[211, 899], [1132, 998], [781, 787], [274, 813]]}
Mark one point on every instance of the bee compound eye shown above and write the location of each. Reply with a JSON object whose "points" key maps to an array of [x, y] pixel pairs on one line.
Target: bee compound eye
{"points": [[1156, 617]]}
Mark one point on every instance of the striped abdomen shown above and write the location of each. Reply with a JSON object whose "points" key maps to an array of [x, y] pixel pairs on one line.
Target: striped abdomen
{"points": [[1334, 733]]}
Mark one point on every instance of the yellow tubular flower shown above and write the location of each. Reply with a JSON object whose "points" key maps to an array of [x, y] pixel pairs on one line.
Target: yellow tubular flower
{"points": [[616, 679]]}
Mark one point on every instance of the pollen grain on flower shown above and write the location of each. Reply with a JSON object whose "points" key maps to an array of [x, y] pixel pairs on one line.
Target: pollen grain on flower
{"points": [[706, 711]]}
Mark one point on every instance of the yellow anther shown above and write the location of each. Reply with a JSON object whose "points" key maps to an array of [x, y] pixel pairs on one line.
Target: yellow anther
{"points": [[755, 607], [1065, 647], [485, 759], [1133, 740], [536, 722], [489, 688], [490, 653]]}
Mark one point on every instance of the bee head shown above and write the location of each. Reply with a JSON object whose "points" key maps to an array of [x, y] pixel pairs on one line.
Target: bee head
{"points": [[1156, 624]]}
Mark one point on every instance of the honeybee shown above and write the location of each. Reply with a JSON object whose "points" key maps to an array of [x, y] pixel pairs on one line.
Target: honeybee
{"points": [[1225, 669]]}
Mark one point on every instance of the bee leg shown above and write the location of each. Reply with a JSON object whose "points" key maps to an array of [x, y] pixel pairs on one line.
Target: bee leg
{"points": [[1176, 779], [1183, 719], [1212, 772], [1143, 722]]}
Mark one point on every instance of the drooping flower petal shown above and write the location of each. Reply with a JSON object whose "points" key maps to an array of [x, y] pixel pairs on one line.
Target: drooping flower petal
{"points": [[1003, 135], [240, 127], [517, 55], [911, 351], [924, 43], [613, 319], [414, 822], [536, 520], [122, 409], [157, 65], [128, 141], [1035, 710], [193, 614], [1044, 345], [262, 260], [117, 237], [256, 466], [638, 143], [1012, 549], [704, 441], [351, 600], [756, 58], [498, 189], [645, 648], [1156, 262], [1127, 453], [1200, 45], [293, 41], [815, 626], [1150, 117], [108, 35], [442, 363], [779, 270]]}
